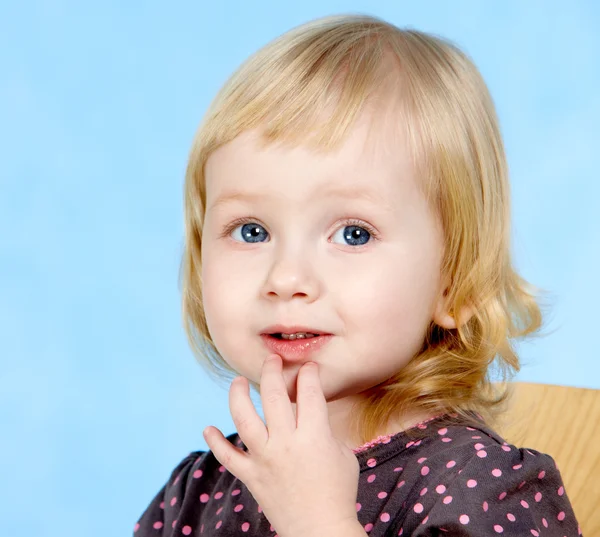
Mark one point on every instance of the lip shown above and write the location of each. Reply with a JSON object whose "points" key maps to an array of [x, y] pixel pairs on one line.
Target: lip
{"points": [[297, 349]]}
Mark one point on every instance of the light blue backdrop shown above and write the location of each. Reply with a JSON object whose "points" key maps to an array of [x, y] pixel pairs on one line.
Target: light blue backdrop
{"points": [[101, 396]]}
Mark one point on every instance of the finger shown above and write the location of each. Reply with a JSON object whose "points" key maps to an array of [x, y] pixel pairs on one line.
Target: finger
{"points": [[248, 423], [277, 407], [231, 457], [311, 406]]}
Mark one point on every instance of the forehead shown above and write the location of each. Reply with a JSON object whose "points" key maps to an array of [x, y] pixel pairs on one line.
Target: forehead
{"points": [[371, 165]]}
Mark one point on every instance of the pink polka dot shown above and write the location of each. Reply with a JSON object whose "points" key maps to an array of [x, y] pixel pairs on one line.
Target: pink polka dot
{"points": [[471, 483], [517, 466], [218, 495], [498, 528], [385, 517], [173, 501], [371, 478], [369, 527], [157, 525], [446, 439], [534, 533], [481, 454], [561, 516], [496, 472], [422, 459], [506, 448], [238, 507], [425, 520], [451, 464], [358, 507], [447, 499], [162, 505], [423, 492], [425, 470], [174, 523], [479, 446], [219, 510], [502, 496], [418, 508], [371, 463], [538, 497], [525, 504], [561, 490], [382, 495], [464, 519], [511, 517], [485, 506], [401, 484], [440, 489], [197, 474], [235, 492], [541, 474], [136, 527], [186, 530], [219, 524], [443, 431], [545, 522], [245, 526]]}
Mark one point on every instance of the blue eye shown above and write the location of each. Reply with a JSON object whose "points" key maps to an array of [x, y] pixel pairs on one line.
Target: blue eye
{"points": [[356, 232], [252, 232], [355, 235]]}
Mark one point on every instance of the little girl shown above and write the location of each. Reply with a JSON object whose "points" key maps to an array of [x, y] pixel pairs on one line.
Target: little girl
{"points": [[348, 256]]}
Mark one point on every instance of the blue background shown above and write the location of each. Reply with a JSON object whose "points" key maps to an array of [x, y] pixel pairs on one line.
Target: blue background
{"points": [[100, 394]]}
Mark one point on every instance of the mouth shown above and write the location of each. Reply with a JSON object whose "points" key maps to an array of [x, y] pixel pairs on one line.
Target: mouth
{"points": [[285, 332]]}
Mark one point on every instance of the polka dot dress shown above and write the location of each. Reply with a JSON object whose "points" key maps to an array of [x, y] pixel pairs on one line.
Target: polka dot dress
{"points": [[455, 480]]}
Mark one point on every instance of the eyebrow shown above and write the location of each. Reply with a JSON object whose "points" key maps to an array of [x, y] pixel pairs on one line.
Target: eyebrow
{"points": [[344, 192]]}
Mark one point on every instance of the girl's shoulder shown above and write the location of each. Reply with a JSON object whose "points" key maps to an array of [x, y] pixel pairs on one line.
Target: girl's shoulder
{"points": [[194, 483], [467, 480]]}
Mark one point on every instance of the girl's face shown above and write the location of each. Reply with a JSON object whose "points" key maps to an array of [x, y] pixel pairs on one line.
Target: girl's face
{"points": [[374, 284]]}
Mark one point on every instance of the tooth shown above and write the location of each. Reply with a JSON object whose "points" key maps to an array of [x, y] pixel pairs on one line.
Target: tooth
{"points": [[298, 335]]}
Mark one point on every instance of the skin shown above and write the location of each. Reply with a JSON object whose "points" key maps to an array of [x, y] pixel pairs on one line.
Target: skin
{"points": [[376, 295]]}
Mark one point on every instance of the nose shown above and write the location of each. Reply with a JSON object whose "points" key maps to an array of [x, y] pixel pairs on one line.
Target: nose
{"points": [[291, 278]]}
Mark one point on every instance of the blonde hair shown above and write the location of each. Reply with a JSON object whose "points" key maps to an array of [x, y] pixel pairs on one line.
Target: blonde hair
{"points": [[337, 64]]}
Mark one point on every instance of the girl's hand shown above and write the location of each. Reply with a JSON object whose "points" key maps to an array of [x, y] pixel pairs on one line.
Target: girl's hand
{"points": [[304, 479]]}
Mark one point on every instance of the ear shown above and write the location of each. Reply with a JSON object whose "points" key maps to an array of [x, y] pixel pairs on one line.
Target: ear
{"points": [[443, 318]]}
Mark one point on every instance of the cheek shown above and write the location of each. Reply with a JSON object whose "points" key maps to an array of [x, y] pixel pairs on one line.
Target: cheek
{"points": [[223, 314], [395, 292], [392, 308]]}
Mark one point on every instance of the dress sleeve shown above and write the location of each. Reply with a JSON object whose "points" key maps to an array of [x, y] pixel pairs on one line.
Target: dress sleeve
{"points": [[502, 490], [156, 521]]}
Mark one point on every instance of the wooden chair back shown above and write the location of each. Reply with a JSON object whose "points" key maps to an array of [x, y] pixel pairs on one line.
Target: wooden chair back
{"points": [[563, 422]]}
